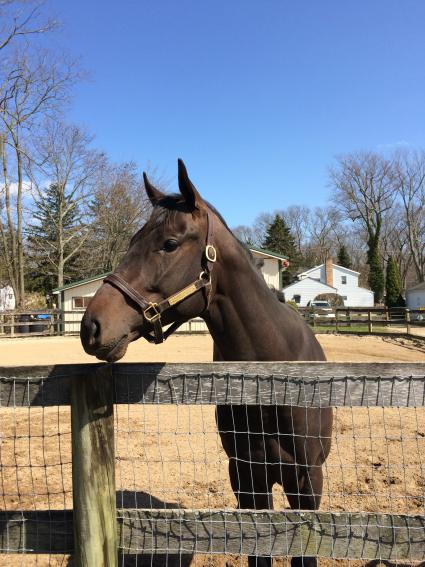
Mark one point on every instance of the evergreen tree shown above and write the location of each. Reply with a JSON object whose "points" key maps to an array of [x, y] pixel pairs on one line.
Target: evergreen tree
{"points": [[392, 284], [376, 274], [344, 259], [52, 240], [279, 239]]}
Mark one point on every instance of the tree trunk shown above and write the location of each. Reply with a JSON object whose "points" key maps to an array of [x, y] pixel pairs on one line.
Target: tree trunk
{"points": [[20, 242], [8, 236]]}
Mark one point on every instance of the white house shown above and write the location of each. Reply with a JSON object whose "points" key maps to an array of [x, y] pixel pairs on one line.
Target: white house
{"points": [[76, 296], [7, 298], [415, 296], [329, 278]]}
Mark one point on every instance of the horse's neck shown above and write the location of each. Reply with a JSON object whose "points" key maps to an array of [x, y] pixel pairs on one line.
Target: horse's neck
{"points": [[245, 319]]}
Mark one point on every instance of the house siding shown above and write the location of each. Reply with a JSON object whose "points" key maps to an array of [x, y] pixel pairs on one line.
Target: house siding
{"points": [[7, 298], [270, 271], [308, 289], [415, 299], [83, 290], [354, 296]]}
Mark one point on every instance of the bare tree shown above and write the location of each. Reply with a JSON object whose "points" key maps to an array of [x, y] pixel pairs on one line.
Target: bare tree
{"points": [[39, 87], [395, 240], [364, 190], [118, 207], [410, 185], [20, 19], [245, 234], [324, 228], [297, 217], [71, 167]]}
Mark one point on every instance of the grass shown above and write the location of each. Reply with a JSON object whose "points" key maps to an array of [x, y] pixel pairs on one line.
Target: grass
{"points": [[358, 328]]}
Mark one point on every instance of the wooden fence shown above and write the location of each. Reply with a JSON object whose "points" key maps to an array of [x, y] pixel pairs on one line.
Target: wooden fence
{"points": [[342, 319], [362, 319], [95, 529], [53, 322]]}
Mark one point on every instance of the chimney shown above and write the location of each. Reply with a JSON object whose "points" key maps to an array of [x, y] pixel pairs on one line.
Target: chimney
{"points": [[329, 275]]}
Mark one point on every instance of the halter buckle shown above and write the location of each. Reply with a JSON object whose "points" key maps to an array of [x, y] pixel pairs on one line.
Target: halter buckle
{"points": [[151, 318], [211, 253]]}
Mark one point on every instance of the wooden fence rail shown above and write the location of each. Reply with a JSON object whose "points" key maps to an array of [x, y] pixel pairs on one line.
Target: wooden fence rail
{"points": [[95, 528], [22, 323]]}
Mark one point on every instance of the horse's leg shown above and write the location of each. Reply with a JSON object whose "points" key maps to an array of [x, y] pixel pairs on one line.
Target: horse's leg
{"points": [[251, 481], [307, 439], [252, 488], [303, 488]]}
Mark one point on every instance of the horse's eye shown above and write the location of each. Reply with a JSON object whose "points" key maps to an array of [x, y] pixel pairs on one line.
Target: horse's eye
{"points": [[170, 245]]}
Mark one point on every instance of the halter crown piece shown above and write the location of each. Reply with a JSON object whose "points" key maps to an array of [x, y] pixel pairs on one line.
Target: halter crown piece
{"points": [[152, 311]]}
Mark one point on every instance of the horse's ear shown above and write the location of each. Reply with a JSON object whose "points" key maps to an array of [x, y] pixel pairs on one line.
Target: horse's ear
{"points": [[187, 188], [152, 192]]}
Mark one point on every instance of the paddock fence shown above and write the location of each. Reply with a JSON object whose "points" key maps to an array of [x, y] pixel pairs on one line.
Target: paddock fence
{"points": [[399, 320], [380, 320], [99, 458], [54, 322]]}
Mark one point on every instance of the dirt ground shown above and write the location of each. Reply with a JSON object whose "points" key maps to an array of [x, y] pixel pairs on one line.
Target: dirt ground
{"points": [[172, 455], [198, 348]]}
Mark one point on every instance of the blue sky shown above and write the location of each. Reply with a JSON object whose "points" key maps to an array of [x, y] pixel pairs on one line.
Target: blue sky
{"points": [[257, 97]]}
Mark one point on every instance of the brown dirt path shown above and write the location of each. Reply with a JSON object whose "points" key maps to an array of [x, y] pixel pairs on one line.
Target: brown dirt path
{"points": [[198, 348]]}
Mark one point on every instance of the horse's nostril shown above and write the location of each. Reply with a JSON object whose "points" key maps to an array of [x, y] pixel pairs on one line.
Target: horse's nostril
{"points": [[90, 330], [95, 329]]}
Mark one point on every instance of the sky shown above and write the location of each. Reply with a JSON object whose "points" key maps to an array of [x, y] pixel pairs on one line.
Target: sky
{"points": [[257, 97]]}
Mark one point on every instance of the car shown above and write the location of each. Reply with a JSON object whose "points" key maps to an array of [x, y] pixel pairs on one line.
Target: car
{"points": [[320, 308]]}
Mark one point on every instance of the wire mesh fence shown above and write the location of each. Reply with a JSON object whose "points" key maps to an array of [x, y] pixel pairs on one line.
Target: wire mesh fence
{"points": [[175, 501]]}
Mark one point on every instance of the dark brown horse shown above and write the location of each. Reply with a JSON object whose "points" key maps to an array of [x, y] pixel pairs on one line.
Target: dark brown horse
{"points": [[185, 263]]}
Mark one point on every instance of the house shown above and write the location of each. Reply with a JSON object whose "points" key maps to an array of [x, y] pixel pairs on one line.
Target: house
{"points": [[75, 297], [329, 278], [415, 296], [7, 298]]}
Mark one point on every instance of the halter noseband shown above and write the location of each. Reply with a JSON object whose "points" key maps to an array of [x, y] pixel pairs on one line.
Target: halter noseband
{"points": [[152, 311]]}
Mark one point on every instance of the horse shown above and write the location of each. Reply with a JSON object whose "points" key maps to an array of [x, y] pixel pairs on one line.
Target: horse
{"points": [[185, 263]]}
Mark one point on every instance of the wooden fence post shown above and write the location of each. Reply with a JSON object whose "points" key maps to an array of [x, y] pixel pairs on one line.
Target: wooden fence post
{"points": [[408, 321], [93, 468], [369, 320]]}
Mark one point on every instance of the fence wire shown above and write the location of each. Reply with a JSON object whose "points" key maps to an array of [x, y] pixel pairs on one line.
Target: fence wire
{"points": [[170, 458]]}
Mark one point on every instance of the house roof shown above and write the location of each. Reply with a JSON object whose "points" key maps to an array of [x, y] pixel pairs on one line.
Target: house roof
{"points": [[418, 287], [270, 253], [317, 282], [81, 282], [320, 265], [263, 252]]}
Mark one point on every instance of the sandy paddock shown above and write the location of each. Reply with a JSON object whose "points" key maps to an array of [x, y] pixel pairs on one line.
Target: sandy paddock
{"points": [[173, 455]]}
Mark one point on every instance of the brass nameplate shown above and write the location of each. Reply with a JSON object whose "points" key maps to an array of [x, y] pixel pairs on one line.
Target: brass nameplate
{"points": [[176, 298]]}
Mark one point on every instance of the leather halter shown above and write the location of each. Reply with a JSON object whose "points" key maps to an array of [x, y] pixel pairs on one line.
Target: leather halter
{"points": [[152, 311]]}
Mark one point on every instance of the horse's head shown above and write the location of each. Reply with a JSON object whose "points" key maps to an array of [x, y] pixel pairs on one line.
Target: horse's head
{"points": [[163, 278]]}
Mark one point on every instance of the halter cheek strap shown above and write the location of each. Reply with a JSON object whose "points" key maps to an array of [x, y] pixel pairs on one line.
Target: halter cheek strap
{"points": [[152, 311]]}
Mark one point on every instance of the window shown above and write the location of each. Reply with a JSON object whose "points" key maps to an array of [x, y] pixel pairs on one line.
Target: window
{"points": [[343, 279], [297, 298], [80, 302]]}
